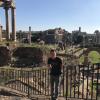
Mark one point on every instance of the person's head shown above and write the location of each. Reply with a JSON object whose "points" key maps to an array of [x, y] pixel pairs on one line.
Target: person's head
{"points": [[52, 53], [7, 44]]}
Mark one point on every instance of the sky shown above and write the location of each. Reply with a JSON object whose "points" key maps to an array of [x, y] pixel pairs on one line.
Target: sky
{"points": [[48, 14]]}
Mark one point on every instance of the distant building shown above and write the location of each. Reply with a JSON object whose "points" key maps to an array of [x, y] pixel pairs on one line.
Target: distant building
{"points": [[24, 35], [77, 36], [89, 40], [98, 38], [4, 34], [53, 36]]}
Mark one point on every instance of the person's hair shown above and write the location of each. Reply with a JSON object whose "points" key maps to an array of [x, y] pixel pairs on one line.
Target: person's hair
{"points": [[7, 44], [52, 50]]}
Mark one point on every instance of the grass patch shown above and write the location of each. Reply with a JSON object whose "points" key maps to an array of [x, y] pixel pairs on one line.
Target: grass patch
{"points": [[93, 56]]}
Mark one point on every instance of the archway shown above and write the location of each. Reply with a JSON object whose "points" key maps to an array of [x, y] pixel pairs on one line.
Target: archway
{"points": [[86, 53], [9, 4]]}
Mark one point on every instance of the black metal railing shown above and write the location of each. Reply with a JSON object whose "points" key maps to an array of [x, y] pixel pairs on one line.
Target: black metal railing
{"points": [[79, 81]]}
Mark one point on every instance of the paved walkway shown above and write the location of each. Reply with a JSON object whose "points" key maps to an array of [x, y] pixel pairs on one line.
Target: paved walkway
{"points": [[12, 98], [23, 98], [12, 91]]}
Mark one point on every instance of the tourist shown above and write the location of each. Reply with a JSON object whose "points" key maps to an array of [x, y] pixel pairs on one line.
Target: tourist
{"points": [[55, 65]]}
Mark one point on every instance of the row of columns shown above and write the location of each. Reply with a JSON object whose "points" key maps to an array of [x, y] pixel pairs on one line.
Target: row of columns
{"points": [[13, 24]]}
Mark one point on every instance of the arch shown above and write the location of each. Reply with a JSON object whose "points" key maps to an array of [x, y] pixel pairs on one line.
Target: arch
{"points": [[87, 51]]}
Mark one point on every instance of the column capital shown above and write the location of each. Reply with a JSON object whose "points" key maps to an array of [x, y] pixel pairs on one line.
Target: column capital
{"points": [[6, 8]]}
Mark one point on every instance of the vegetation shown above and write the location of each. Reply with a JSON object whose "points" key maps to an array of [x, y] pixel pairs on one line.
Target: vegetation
{"points": [[94, 85], [94, 57]]}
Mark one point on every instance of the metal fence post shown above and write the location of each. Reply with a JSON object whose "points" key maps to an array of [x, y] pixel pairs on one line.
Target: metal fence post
{"points": [[66, 82], [97, 87], [28, 86]]}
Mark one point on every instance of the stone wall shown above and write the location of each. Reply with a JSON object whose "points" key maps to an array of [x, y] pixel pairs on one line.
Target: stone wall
{"points": [[27, 56], [5, 56], [21, 56]]}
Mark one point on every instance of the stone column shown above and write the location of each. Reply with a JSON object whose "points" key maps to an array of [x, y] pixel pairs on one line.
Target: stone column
{"points": [[13, 24], [7, 24], [29, 35], [0, 33], [86, 60]]}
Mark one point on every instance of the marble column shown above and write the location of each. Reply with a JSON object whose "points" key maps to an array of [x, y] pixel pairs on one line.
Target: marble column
{"points": [[7, 24], [13, 24]]}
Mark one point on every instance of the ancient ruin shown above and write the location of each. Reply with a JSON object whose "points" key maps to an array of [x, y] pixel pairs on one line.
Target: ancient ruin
{"points": [[9, 4]]}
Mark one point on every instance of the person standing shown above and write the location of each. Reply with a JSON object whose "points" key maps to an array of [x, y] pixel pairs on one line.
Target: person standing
{"points": [[55, 65]]}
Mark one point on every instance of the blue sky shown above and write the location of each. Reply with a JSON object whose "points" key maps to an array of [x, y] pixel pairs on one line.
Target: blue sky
{"points": [[46, 14]]}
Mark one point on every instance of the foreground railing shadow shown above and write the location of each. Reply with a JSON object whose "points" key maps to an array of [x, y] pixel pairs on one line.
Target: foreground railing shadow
{"points": [[79, 82]]}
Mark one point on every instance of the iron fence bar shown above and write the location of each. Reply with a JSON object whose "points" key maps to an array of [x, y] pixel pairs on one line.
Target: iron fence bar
{"points": [[23, 80], [87, 81], [41, 81], [22, 73], [74, 80], [45, 81], [19, 78], [67, 82], [27, 78], [48, 87], [28, 84], [35, 81], [23, 77], [71, 82], [14, 76], [92, 81], [20, 83], [7, 77], [63, 80], [38, 81], [98, 65], [83, 82], [79, 82]]}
